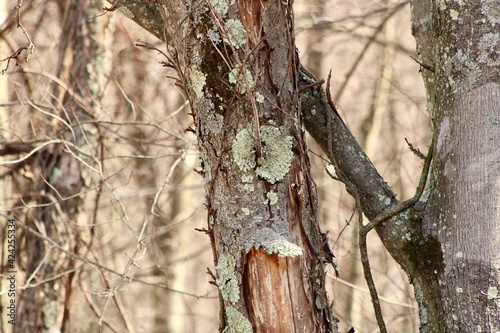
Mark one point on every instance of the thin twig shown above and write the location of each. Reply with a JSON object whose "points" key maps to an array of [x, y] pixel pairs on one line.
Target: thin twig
{"points": [[414, 150]]}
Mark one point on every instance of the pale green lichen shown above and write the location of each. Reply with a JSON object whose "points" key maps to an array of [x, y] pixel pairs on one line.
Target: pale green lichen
{"points": [[489, 48], [214, 36], [419, 295], [244, 151], [245, 211], [442, 4], [227, 280], [284, 248], [249, 187], [50, 313], [236, 33], [279, 155], [454, 14], [272, 243], [386, 200], [247, 178], [221, 6], [236, 322], [459, 290], [272, 197], [492, 293], [259, 97], [491, 10], [198, 80], [463, 73], [242, 82]]}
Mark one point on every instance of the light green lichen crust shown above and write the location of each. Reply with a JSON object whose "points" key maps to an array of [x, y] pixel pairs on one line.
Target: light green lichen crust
{"points": [[492, 293], [236, 77], [491, 10], [221, 6], [243, 150], [272, 197], [227, 280], [236, 322], [236, 34], [198, 80], [278, 156], [272, 243]]}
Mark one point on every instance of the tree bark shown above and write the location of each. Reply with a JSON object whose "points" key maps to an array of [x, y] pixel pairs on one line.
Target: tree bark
{"points": [[461, 43], [238, 66]]}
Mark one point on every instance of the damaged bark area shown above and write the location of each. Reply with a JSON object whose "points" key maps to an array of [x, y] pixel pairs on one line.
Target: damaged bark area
{"points": [[268, 283]]}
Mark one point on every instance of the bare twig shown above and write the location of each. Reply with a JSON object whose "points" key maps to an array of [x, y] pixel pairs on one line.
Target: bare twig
{"points": [[428, 67], [28, 50], [410, 202], [415, 151], [98, 265]]}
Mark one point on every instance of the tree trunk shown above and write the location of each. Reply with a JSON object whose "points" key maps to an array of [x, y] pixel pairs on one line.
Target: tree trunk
{"points": [[461, 43], [239, 69], [54, 188]]}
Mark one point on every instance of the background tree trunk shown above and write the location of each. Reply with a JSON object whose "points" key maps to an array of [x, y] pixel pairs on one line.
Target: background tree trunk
{"points": [[56, 182]]}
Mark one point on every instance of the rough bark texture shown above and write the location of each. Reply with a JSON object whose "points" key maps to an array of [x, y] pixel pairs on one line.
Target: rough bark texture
{"points": [[238, 67]]}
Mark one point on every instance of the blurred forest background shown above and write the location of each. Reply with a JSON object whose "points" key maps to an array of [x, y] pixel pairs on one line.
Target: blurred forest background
{"points": [[97, 159]]}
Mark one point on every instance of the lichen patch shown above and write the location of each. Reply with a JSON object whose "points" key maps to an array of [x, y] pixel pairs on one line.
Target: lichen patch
{"points": [[198, 81], [489, 48], [227, 280], [243, 150], [273, 243], [272, 197], [236, 34], [491, 10], [221, 6], [278, 153], [242, 79], [463, 73], [236, 322]]}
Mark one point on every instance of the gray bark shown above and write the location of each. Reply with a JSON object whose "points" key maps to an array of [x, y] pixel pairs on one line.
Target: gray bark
{"points": [[462, 210]]}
